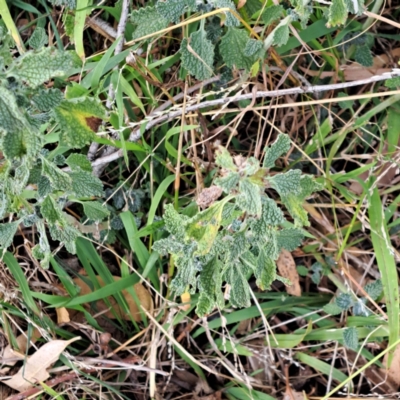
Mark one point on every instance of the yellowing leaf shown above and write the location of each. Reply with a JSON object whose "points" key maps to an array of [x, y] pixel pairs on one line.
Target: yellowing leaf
{"points": [[78, 120], [204, 226], [35, 368], [141, 292]]}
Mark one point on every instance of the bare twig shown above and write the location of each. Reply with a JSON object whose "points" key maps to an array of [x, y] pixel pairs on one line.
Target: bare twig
{"points": [[135, 135]]}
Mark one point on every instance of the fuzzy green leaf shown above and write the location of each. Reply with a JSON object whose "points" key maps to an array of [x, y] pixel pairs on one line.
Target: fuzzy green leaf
{"points": [[232, 48], [51, 211], [344, 301], [253, 48], [332, 309], [147, 20], [197, 55], [363, 56], [64, 233], [84, 184], [44, 186], [337, 13], [7, 232], [231, 20], [11, 118], [172, 10], [287, 183], [37, 67], [79, 161], [175, 223], [265, 272], [280, 146], [210, 282], [188, 267], [59, 180], [350, 338], [38, 39], [271, 14], [237, 245], [224, 160], [95, 210], [47, 99], [271, 216], [281, 35], [13, 145], [168, 246], [228, 182], [77, 118], [239, 294], [393, 83], [249, 199], [374, 289], [269, 244], [289, 239]]}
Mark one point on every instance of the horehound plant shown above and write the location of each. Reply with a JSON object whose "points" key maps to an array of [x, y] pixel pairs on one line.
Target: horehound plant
{"points": [[35, 183], [240, 235]]}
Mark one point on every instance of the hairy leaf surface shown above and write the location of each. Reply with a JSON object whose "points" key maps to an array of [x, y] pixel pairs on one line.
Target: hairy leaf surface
{"points": [[197, 55]]}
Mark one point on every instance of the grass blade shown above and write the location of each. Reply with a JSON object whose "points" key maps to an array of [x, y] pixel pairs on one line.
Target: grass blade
{"points": [[387, 266], [19, 276]]}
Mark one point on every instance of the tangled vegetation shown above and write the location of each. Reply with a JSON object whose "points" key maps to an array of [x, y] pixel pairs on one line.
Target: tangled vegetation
{"points": [[199, 199]]}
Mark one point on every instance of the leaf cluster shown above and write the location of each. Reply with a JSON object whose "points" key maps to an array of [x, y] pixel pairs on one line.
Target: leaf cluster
{"points": [[35, 183], [215, 44], [240, 235]]}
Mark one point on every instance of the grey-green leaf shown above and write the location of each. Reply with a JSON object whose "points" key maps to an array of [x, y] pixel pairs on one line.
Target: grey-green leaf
{"points": [[39, 38], [59, 180], [79, 161], [95, 210], [84, 184], [232, 48], [350, 338], [197, 55], [37, 67], [147, 20], [51, 211], [7, 232], [271, 14], [249, 199], [279, 147]]}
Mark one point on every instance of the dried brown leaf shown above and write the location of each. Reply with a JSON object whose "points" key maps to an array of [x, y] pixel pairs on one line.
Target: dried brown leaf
{"points": [[35, 368], [62, 315], [393, 373], [287, 269], [13, 355]]}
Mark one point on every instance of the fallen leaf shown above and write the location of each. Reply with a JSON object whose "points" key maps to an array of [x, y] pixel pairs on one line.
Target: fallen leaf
{"points": [[287, 269], [141, 292], [13, 355], [35, 368], [393, 373], [62, 315]]}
